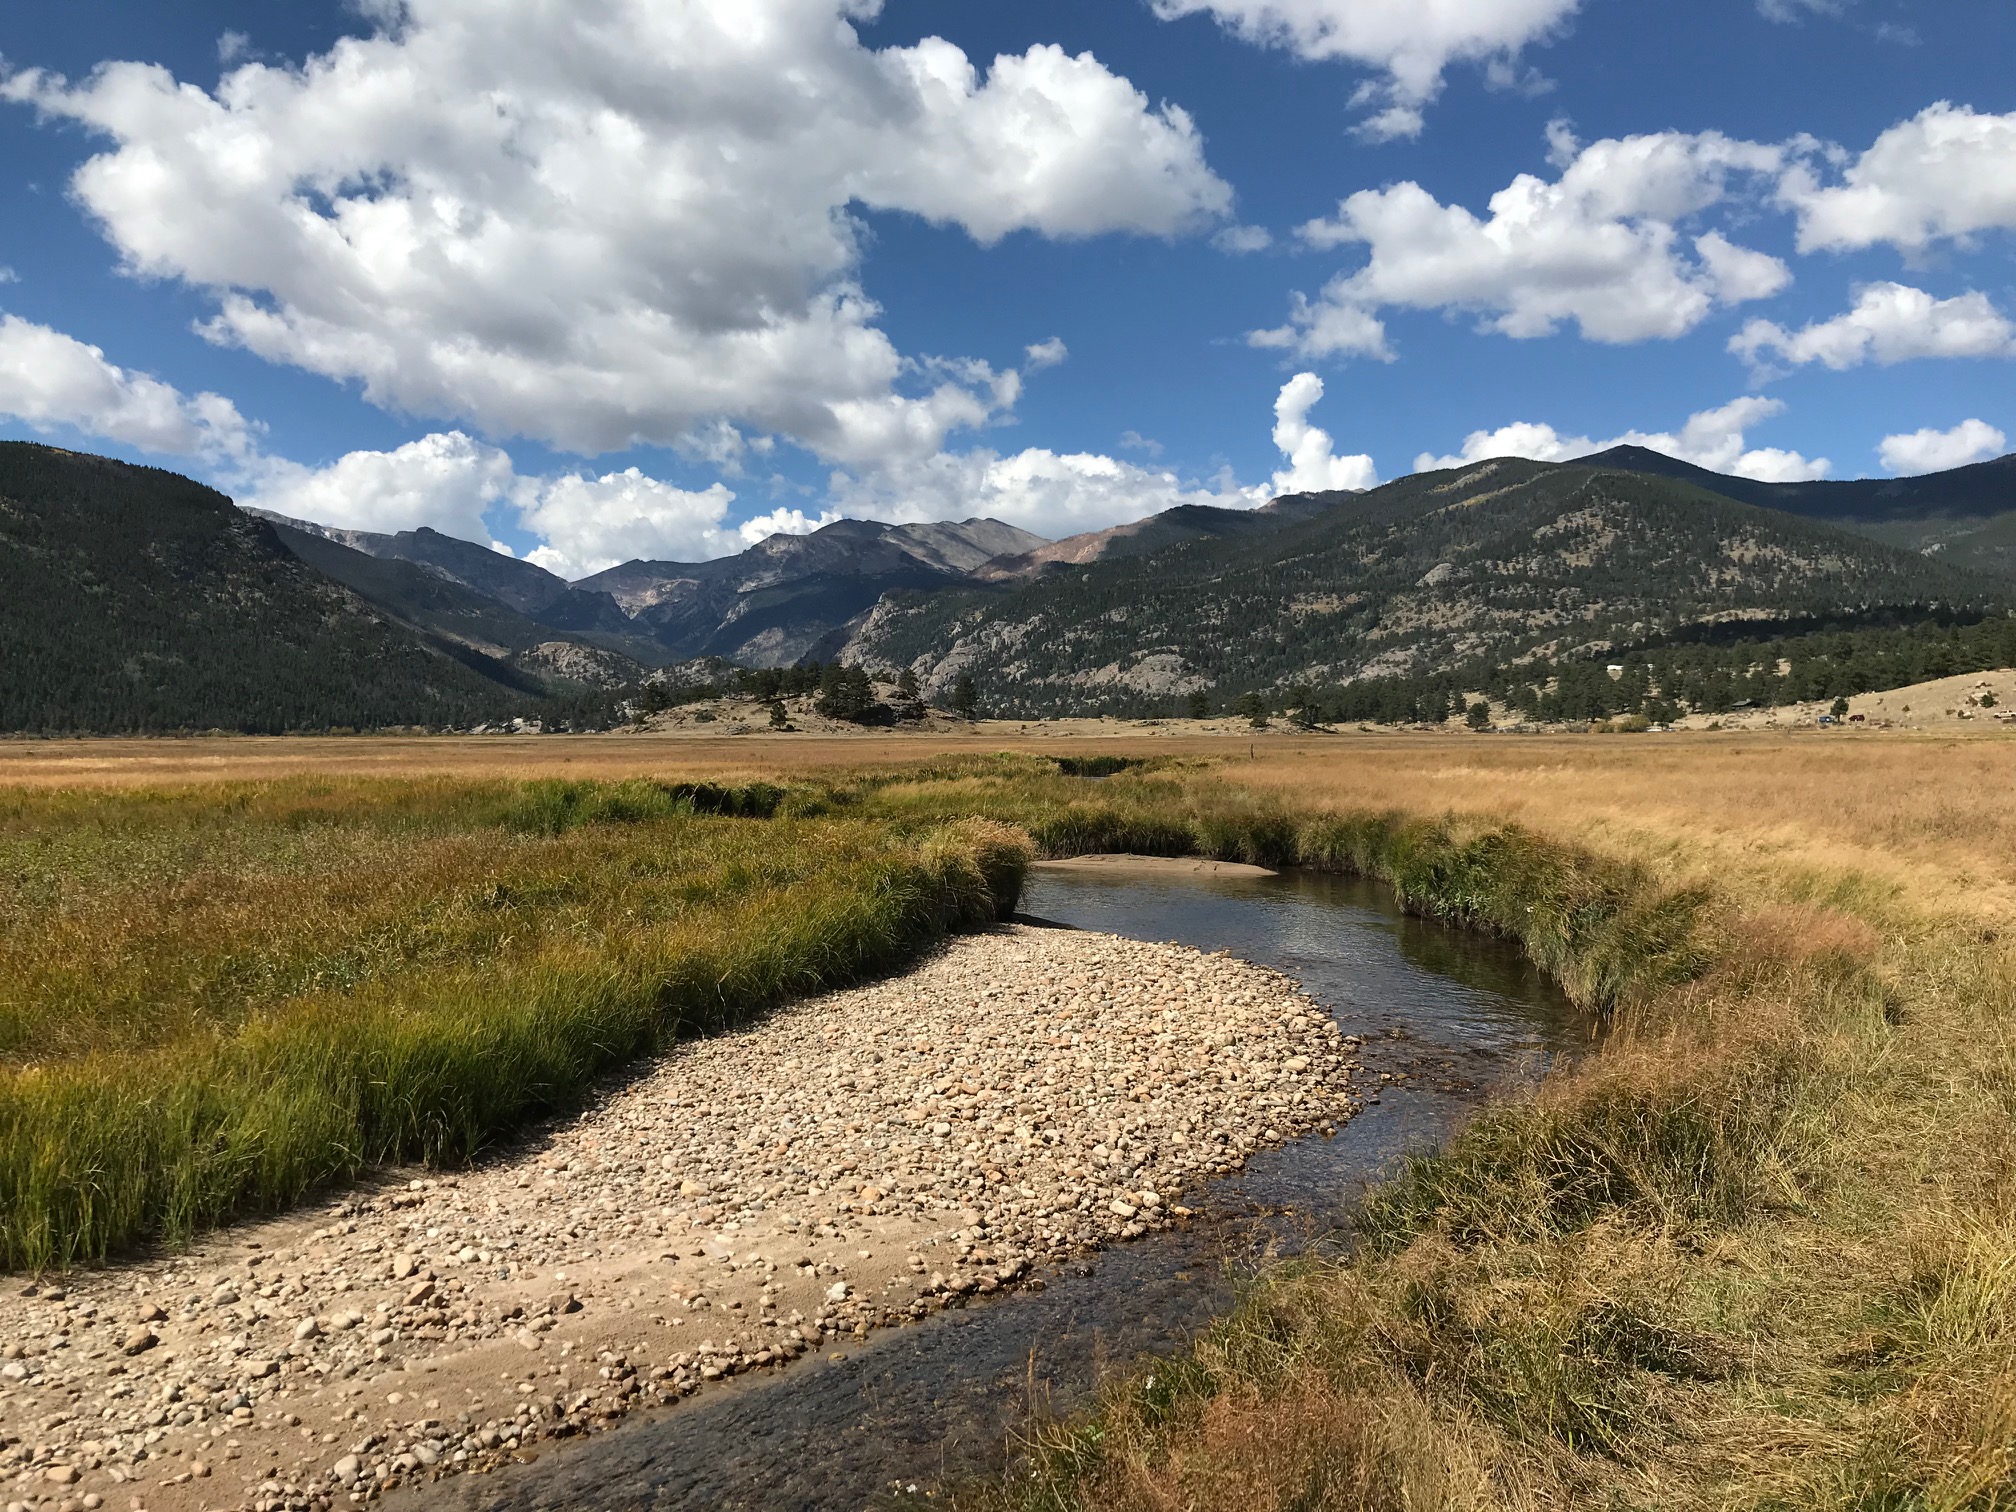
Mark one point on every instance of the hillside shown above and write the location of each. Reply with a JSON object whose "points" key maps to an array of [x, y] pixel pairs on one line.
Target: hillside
{"points": [[524, 587], [1493, 562], [1157, 532], [132, 599], [444, 608], [1966, 516], [780, 600]]}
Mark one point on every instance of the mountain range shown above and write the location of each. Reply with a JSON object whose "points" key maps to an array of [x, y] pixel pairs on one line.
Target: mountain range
{"points": [[1495, 562], [1967, 515], [771, 605], [135, 600], [138, 600]]}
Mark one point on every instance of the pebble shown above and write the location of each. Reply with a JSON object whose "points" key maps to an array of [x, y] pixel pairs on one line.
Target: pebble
{"points": [[1022, 1097]]}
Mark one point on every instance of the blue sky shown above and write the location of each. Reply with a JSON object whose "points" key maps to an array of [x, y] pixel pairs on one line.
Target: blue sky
{"points": [[655, 279]]}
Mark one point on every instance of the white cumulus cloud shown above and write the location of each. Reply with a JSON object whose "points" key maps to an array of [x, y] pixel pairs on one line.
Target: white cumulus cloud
{"points": [[588, 523], [1890, 323], [447, 481], [458, 485], [1715, 439], [614, 222], [1601, 247], [1240, 240], [1947, 174], [1313, 464], [1788, 11], [1054, 494], [1928, 451], [1046, 354], [1059, 494], [1409, 43], [53, 381]]}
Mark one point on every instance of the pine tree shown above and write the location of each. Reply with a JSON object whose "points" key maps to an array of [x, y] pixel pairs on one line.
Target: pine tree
{"points": [[846, 693]]}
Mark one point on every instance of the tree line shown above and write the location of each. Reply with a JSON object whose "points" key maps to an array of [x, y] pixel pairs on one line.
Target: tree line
{"points": [[1708, 670]]}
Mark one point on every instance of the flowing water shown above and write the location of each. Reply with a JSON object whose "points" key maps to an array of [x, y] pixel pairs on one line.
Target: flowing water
{"points": [[1452, 1016]]}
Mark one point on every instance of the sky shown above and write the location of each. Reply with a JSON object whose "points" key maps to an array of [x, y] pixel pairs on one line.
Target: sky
{"points": [[657, 278]]}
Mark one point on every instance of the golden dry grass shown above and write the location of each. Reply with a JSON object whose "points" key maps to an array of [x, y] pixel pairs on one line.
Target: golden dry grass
{"points": [[1939, 805], [1759, 1252]]}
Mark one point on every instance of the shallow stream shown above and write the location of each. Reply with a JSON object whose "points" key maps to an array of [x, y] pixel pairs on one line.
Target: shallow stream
{"points": [[1451, 1016]]}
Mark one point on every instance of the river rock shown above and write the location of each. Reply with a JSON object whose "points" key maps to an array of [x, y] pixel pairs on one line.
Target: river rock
{"points": [[1022, 1097]]}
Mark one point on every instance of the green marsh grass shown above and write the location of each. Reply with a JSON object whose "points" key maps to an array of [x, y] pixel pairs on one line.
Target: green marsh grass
{"points": [[213, 1003]]}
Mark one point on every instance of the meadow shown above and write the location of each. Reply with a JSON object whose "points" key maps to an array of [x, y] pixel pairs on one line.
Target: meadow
{"points": [[1758, 1250], [216, 1001]]}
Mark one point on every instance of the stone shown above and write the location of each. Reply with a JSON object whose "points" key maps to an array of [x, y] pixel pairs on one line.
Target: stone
{"points": [[139, 1341], [1013, 1089], [62, 1475]]}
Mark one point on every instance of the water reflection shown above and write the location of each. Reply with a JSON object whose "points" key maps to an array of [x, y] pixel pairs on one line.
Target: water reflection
{"points": [[1344, 939]]}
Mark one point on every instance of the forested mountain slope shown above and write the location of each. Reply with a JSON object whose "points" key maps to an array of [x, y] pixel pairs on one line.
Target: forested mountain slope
{"points": [[1158, 532], [1966, 515], [132, 599], [524, 587], [442, 608], [1494, 561]]}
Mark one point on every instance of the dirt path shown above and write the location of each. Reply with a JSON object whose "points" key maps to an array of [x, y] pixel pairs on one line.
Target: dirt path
{"points": [[849, 1163]]}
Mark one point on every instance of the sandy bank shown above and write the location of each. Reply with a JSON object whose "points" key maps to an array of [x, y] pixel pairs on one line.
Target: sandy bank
{"points": [[851, 1162], [1148, 866]]}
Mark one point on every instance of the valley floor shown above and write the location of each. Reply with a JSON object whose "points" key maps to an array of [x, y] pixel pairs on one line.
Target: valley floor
{"points": [[1756, 1252], [849, 1162], [693, 751]]}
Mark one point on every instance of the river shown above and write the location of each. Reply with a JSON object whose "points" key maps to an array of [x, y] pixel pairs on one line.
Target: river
{"points": [[1450, 1016]]}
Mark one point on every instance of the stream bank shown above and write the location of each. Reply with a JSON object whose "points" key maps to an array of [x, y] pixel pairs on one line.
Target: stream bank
{"points": [[1447, 1018]]}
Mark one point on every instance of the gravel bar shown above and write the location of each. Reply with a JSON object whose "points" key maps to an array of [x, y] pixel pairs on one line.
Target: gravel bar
{"points": [[851, 1162]]}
